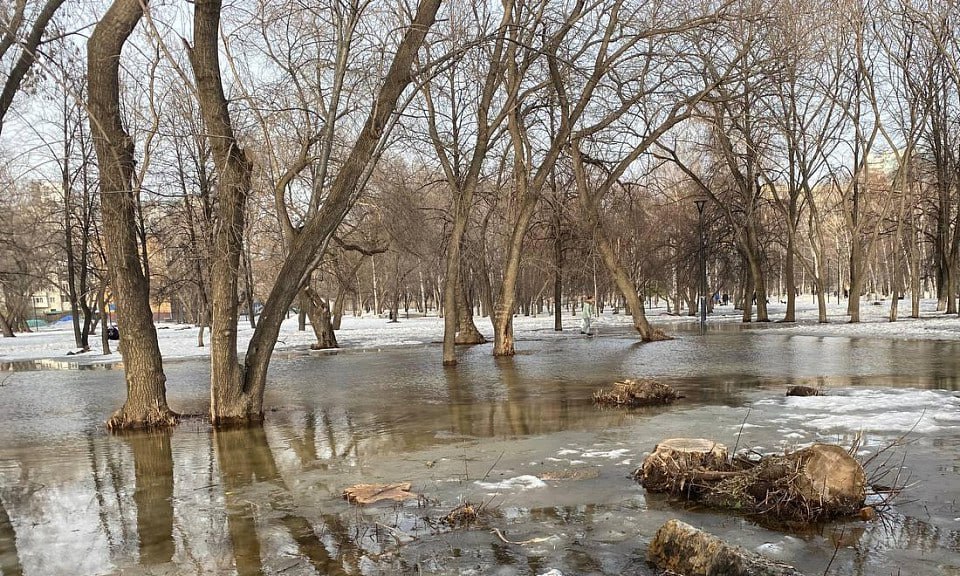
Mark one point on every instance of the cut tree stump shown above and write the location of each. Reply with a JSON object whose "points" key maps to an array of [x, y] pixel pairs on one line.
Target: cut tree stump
{"points": [[677, 461], [364, 494], [683, 549], [816, 483], [636, 393], [828, 475]]}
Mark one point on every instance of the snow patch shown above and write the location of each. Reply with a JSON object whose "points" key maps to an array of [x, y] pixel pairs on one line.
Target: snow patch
{"points": [[520, 483]]}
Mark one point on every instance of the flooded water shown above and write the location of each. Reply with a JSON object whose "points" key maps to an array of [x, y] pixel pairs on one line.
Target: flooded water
{"points": [[519, 437]]}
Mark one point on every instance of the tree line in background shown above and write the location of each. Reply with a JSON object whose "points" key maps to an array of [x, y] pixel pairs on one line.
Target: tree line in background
{"points": [[468, 159]]}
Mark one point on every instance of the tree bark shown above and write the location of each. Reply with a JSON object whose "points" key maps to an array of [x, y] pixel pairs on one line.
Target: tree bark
{"points": [[5, 327], [683, 549], [308, 245], [27, 57], [230, 401], [146, 403], [467, 333], [318, 310]]}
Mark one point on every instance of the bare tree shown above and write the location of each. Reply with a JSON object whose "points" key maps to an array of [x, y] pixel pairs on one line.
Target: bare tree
{"points": [[146, 403], [237, 390]]}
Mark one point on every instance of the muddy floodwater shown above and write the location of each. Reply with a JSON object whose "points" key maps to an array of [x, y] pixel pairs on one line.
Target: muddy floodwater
{"points": [[518, 437]]}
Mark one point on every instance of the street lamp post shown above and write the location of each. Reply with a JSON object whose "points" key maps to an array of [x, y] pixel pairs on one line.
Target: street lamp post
{"points": [[703, 268]]}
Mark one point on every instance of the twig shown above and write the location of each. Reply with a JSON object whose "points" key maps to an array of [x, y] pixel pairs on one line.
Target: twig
{"points": [[740, 432], [497, 461], [520, 543], [836, 548], [395, 533]]}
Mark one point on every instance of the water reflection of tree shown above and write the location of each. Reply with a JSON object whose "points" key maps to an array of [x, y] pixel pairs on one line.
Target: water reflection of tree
{"points": [[153, 496], [245, 458], [9, 558]]}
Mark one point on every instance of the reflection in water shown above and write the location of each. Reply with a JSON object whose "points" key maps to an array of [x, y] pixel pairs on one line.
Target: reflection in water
{"points": [[153, 496], [51, 364], [9, 558], [267, 500], [246, 460]]}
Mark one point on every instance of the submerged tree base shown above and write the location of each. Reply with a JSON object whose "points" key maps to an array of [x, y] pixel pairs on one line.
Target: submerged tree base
{"points": [[128, 419], [657, 335]]}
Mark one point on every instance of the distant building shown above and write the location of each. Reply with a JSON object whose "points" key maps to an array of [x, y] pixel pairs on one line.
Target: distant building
{"points": [[51, 304]]}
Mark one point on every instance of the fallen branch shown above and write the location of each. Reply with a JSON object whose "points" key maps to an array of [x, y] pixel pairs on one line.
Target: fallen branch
{"points": [[522, 542]]}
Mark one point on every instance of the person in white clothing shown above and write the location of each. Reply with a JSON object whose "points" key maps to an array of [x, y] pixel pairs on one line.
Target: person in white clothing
{"points": [[586, 314]]}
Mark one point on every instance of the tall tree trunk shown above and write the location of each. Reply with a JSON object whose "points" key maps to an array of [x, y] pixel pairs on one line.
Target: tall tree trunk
{"points": [[146, 403], [230, 401], [309, 244], [856, 280], [507, 299], [318, 310], [557, 275], [791, 282], [467, 332], [102, 304], [626, 286], [6, 327]]}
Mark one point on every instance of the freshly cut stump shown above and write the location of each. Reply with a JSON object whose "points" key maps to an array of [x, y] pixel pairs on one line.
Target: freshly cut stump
{"points": [[676, 461], [364, 494], [683, 549], [816, 483], [636, 393], [828, 475]]}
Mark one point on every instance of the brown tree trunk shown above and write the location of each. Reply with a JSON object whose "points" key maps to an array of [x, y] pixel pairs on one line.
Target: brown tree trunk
{"points": [[617, 271], [683, 549], [759, 284], [791, 283], [467, 333], [305, 248], [146, 403], [507, 299], [230, 401], [856, 280], [318, 310], [5, 327], [102, 304], [338, 307]]}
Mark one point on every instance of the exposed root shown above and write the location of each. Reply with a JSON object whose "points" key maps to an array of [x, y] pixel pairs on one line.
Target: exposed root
{"points": [[657, 335], [157, 417]]}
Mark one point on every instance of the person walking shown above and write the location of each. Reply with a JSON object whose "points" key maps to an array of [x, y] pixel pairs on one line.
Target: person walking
{"points": [[586, 314]]}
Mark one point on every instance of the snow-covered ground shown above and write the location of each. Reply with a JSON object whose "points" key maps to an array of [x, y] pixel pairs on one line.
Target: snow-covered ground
{"points": [[178, 341]]}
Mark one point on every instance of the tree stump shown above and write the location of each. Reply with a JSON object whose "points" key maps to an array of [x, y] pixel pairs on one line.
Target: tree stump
{"points": [[828, 475], [803, 391], [814, 483], [364, 494], [635, 393], [681, 548], [676, 461]]}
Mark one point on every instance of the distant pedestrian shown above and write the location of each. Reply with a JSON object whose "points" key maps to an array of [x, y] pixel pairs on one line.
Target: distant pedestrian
{"points": [[586, 314]]}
